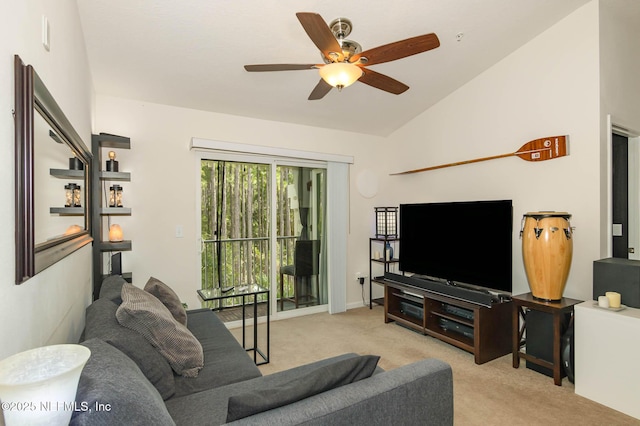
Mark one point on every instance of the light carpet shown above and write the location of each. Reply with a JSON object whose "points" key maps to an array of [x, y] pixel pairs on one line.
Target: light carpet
{"points": [[493, 393]]}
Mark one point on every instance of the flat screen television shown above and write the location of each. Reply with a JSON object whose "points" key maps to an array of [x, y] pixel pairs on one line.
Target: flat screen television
{"points": [[462, 243]]}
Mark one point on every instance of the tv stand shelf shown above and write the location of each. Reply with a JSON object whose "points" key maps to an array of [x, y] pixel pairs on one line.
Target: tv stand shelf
{"points": [[487, 334]]}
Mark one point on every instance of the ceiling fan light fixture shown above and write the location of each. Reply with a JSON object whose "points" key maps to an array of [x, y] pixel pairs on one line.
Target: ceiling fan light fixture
{"points": [[340, 74]]}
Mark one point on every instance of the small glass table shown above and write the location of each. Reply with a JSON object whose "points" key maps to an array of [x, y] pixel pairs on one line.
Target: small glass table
{"points": [[244, 292]]}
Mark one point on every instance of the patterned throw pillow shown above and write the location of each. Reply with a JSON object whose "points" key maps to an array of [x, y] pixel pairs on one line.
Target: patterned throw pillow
{"points": [[168, 297], [101, 323], [143, 312]]}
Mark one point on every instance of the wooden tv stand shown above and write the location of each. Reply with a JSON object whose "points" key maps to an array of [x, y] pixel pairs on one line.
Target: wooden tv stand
{"points": [[490, 327]]}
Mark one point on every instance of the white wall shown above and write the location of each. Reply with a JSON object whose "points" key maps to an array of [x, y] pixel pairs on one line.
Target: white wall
{"points": [[162, 191], [548, 87], [49, 308], [620, 61], [620, 89]]}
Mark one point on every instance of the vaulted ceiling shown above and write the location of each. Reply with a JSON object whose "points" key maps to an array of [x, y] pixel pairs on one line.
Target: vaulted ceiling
{"points": [[190, 53]]}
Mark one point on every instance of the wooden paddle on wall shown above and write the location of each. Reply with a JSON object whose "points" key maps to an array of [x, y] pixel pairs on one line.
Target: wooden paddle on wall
{"points": [[536, 150]]}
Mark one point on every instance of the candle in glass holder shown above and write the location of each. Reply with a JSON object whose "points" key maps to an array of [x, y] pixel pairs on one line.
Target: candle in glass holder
{"points": [[72, 195], [115, 196], [77, 201], [68, 195]]}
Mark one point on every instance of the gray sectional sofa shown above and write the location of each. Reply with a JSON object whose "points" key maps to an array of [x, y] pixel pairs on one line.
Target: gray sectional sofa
{"points": [[127, 381]]}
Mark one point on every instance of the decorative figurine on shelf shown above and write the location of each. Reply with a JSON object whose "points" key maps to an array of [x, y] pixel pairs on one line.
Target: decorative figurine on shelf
{"points": [[388, 252], [115, 196], [112, 164]]}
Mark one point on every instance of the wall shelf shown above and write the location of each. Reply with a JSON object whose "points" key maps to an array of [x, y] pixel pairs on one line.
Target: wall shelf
{"points": [[115, 245], [128, 277], [67, 174], [115, 211], [99, 177], [67, 211], [119, 176]]}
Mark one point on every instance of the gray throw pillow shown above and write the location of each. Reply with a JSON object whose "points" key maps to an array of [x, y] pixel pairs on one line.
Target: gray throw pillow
{"points": [[113, 391], [317, 381], [168, 297], [101, 323], [111, 288], [143, 312]]}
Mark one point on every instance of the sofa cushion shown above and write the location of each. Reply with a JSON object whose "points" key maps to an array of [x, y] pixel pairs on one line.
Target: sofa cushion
{"points": [[112, 390], [225, 361], [111, 288], [101, 323], [320, 380], [144, 313], [168, 297]]}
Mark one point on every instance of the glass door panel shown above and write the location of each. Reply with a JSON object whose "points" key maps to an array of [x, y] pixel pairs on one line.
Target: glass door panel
{"points": [[235, 226], [301, 204]]}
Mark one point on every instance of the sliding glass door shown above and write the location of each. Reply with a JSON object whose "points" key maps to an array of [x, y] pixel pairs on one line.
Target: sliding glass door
{"points": [[264, 223]]}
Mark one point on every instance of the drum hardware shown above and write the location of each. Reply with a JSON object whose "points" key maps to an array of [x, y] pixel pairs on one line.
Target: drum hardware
{"points": [[538, 231]]}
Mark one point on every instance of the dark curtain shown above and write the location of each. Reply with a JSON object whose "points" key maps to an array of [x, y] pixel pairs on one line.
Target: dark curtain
{"points": [[219, 219], [303, 201]]}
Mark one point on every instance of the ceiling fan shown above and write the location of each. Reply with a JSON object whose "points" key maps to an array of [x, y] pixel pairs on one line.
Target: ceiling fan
{"points": [[344, 60]]}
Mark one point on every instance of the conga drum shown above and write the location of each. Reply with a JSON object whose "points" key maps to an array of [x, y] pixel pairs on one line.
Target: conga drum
{"points": [[547, 249]]}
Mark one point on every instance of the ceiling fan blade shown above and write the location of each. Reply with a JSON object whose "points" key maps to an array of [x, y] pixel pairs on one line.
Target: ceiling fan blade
{"points": [[321, 35], [321, 89], [280, 67], [398, 50], [382, 82]]}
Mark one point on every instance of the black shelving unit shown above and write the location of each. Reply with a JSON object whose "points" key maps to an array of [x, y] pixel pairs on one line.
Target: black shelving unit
{"points": [[101, 243], [380, 260]]}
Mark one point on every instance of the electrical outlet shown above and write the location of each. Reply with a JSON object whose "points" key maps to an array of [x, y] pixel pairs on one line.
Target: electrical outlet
{"points": [[358, 275]]}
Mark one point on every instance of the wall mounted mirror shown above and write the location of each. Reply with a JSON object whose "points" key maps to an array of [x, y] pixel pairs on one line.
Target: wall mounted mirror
{"points": [[51, 161]]}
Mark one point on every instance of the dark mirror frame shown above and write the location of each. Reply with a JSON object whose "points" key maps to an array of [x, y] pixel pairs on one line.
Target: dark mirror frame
{"points": [[32, 96]]}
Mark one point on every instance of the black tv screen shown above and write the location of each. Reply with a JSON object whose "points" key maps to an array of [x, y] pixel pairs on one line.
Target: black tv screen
{"points": [[460, 242]]}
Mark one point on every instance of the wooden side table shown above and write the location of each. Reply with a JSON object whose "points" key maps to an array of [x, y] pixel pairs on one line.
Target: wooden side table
{"points": [[524, 302]]}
